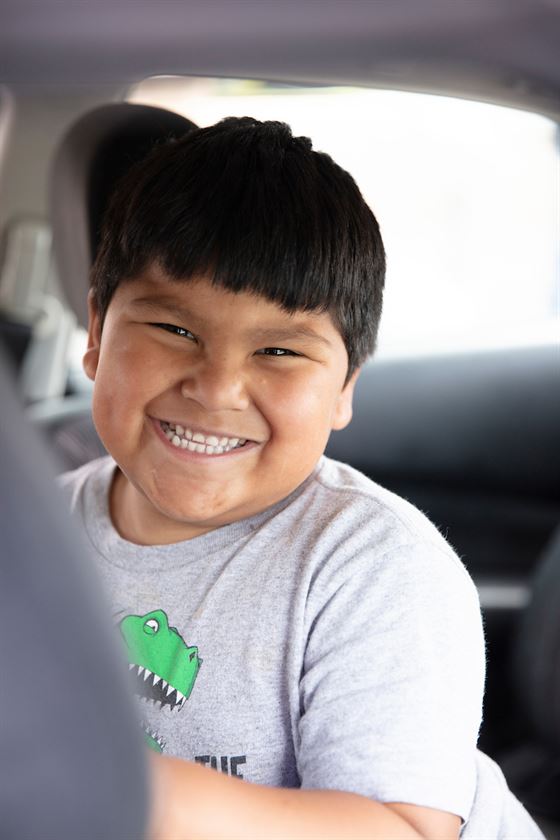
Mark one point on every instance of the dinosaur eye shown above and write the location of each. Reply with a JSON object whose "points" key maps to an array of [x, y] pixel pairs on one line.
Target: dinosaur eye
{"points": [[151, 626]]}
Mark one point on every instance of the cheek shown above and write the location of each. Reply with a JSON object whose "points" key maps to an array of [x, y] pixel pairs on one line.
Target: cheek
{"points": [[300, 408], [132, 369], [118, 378], [123, 385]]}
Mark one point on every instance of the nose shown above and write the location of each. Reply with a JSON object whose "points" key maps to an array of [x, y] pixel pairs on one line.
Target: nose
{"points": [[216, 385]]}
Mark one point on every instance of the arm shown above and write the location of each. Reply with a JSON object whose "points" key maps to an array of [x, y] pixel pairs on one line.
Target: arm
{"points": [[191, 802]]}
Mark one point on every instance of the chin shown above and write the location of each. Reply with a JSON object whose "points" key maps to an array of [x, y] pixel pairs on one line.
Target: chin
{"points": [[196, 517]]}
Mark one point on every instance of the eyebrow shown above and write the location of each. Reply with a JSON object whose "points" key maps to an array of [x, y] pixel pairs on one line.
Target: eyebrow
{"points": [[162, 303], [287, 333]]}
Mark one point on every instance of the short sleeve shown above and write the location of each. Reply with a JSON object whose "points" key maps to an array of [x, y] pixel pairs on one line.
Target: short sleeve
{"points": [[393, 678]]}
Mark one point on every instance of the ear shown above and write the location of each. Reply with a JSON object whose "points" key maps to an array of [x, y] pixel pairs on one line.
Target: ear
{"points": [[343, 409], [91, 356]]}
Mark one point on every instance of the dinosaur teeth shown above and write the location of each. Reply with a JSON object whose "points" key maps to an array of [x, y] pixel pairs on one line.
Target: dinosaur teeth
{"points": [[168, 694]]}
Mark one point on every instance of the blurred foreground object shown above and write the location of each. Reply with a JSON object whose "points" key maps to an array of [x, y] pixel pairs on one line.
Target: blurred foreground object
{"points": [[71, 761]]}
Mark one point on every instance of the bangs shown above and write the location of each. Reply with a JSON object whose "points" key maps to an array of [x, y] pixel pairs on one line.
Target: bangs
{"points": [[252, 209], [285, 233]]}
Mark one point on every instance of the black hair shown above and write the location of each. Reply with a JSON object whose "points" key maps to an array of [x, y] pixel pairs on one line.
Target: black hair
{"points": [[254, 209]]}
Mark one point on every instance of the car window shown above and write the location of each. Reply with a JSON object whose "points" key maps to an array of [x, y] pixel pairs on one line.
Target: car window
{"points": [[466, 194]]}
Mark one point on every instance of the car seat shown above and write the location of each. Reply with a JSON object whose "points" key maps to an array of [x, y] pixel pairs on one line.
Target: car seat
{"points": [[533, 769], [94, 153], [72, 758]]}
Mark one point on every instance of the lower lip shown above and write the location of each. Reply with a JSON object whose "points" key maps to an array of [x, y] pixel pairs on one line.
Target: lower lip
{"points": [[187, 455]]}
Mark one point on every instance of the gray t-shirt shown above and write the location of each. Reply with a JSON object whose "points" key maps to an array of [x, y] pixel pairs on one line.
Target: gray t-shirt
{"points": [[331, 641]]}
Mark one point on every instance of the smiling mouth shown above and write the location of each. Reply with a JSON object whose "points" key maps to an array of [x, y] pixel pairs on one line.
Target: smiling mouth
{"points": [[185, 438]]}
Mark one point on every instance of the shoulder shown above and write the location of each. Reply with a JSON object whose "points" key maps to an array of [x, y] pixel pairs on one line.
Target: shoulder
{"points": [[95, 474], [362, 535], [357, 502], [394, 651]]}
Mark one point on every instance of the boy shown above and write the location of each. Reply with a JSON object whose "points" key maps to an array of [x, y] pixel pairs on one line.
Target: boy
{"points": [[287, 621]]}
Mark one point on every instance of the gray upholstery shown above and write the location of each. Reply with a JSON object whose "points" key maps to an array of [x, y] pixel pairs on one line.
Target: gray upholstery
{"points": [[67, 427], [71, 754], [94, 153]]}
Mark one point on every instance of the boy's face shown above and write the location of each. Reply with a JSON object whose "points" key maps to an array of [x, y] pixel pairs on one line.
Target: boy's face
{"points": [[228, 366]]}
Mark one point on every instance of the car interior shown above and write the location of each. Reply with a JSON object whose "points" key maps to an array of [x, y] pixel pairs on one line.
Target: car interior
{"points": [[469, 435]]}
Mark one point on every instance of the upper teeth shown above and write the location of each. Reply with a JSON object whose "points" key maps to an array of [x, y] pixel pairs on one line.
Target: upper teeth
{"points": [[197, 442]]}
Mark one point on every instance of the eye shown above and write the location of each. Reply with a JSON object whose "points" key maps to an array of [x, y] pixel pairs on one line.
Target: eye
{"points": [[276, 351], [151, 627], [180, 331]]}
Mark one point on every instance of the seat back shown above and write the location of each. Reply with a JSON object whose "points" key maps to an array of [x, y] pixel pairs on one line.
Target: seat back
{"points": [[536, 659], [93, 155], [72, 758]]}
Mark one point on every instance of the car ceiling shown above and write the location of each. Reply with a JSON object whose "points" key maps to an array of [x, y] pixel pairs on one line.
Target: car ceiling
{"points": [[507, 50]]}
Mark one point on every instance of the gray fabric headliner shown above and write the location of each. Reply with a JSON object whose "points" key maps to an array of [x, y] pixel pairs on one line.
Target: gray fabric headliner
{"points": [[502, 49]]}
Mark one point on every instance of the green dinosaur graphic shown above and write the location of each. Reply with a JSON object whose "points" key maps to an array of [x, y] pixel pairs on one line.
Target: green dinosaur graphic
{"points": [[163, 666]]}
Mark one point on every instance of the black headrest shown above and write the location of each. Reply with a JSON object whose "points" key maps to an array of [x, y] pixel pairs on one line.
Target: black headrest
{"points": [[480, 422], [93, 154]]}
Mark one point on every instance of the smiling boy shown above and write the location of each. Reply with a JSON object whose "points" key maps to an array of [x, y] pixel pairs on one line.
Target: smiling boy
{"points": [[209, 424], [288, 622]]}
